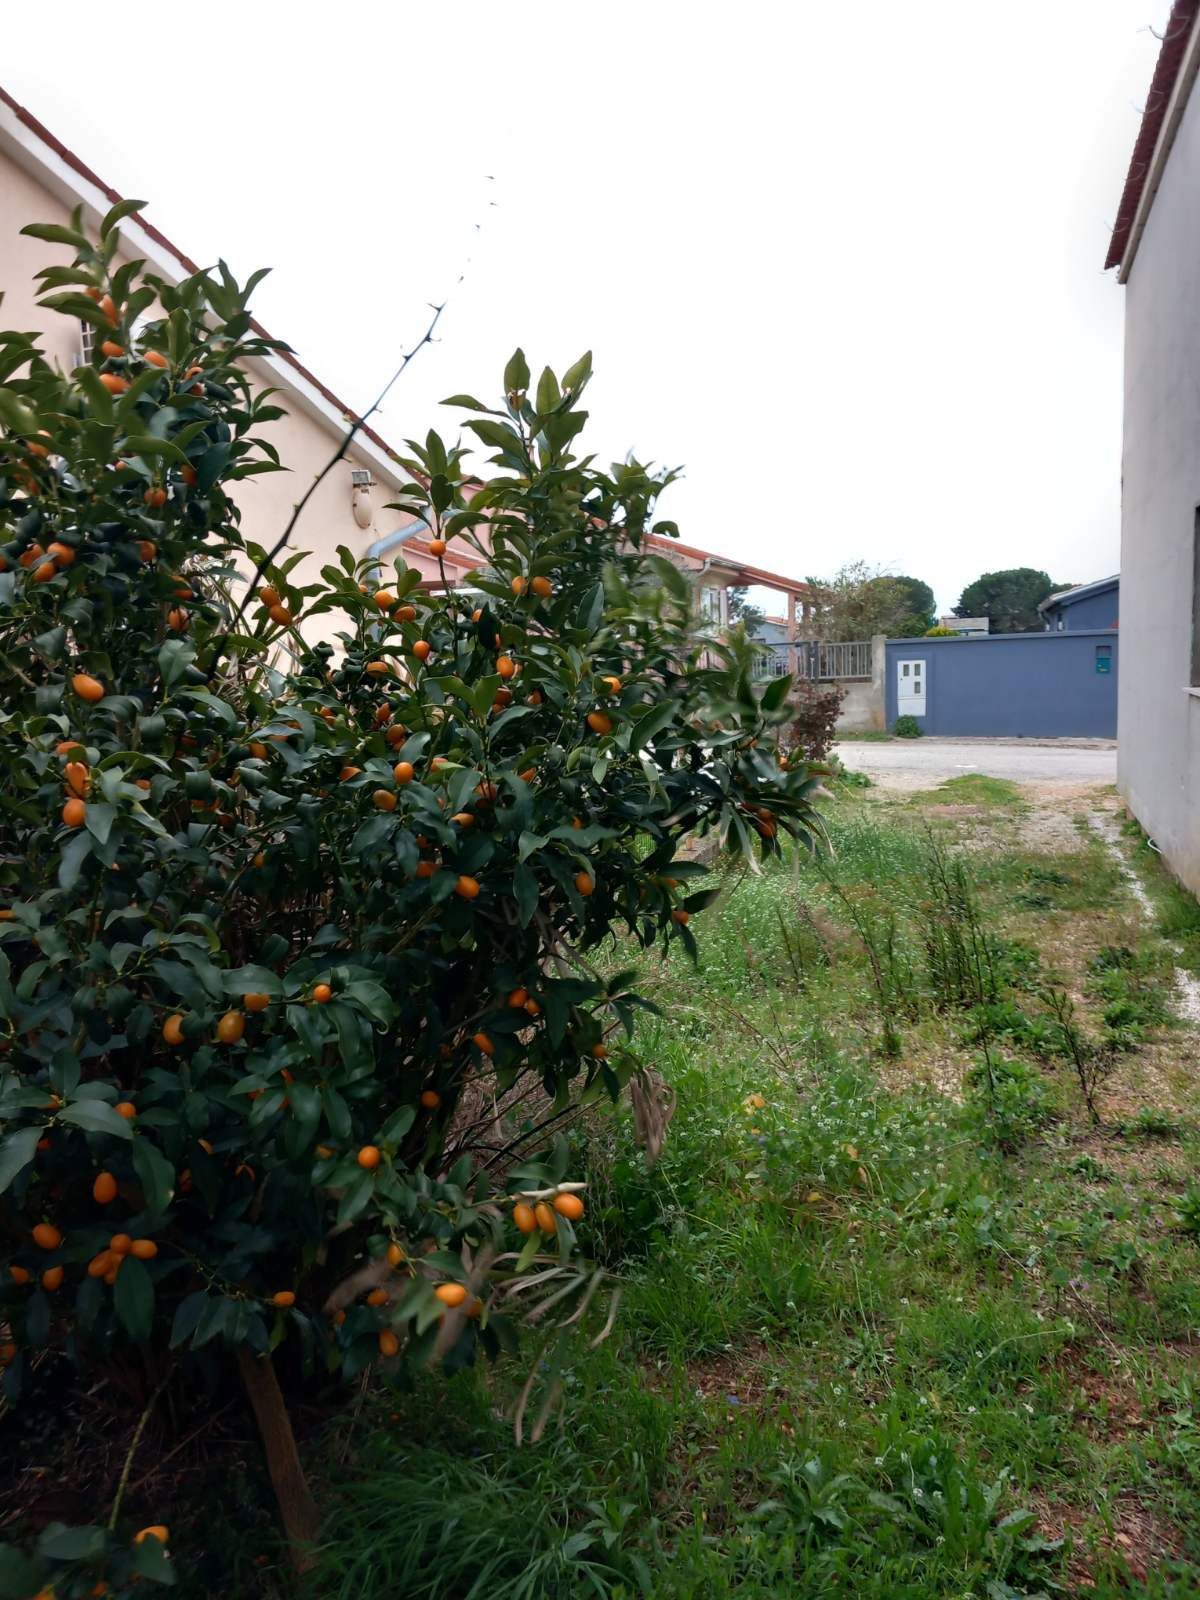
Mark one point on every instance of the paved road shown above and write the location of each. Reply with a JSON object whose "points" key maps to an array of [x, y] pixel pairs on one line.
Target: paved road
{"points": [[922, 763]]}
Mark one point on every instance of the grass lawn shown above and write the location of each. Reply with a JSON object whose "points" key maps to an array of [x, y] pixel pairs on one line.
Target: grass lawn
{"points": [[898, 1319], [887, 1328]]}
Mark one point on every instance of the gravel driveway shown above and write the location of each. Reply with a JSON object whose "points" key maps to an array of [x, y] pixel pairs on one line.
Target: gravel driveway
{"points": [[922, 763]]}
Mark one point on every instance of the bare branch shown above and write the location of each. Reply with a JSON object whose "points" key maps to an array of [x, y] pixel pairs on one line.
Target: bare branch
{"points": [[348, 438]]}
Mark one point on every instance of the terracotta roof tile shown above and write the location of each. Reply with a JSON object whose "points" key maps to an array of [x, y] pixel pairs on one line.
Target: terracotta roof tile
{"points": [[1166, 71]]}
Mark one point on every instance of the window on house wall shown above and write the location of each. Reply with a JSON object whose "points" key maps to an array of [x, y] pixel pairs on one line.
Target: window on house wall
{"points": [[710, 604]]}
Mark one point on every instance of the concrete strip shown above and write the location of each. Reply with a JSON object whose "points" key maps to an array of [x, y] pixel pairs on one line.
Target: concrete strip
{"points": [[923, 763], [1187, 984]]}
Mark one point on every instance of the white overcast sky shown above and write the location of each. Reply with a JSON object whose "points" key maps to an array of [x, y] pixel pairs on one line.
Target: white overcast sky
{"points": [[840, 259]]}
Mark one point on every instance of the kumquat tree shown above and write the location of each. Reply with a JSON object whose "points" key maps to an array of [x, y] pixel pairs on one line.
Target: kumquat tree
{"points": [[295, 976]]}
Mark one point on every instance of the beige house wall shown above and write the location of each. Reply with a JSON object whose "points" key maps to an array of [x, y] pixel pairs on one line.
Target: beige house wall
{"points": [[305, 441]]}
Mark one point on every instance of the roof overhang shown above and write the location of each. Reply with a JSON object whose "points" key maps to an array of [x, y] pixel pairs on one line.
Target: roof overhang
{"points": [[1081, 591], [35, 149], [738, 572], [1174, 74]]}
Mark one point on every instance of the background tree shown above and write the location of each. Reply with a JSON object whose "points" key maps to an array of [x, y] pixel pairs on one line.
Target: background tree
{"points": [[859, 601], [1008, 598], [294, 942], [922, 609], [740, 610]]}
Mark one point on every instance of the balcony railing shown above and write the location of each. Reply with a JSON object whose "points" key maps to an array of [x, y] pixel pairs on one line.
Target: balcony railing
{"points": [[814, 658]]}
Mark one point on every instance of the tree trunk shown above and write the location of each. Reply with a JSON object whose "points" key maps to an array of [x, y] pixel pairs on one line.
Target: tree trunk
{"points": [[297, 1508]]}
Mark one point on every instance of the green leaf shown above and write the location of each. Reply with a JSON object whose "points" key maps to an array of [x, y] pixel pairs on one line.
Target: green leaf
{"points": [[252, 980], [652, 722], [498, 434], [55, 233], [16, 1152], [373, 998], [441, 887], [99, 819], [525, 888], [62, 1543], [337, 1114], [547, 392], [221, 709], [15, 414], [673, 581], [467, 401], [435, 452], [187, 1317], [274, 947], [591, 608], [96, 1116], [354, 1200], [75, 853], [516, 373], [147, 445], [776, 692], [99, 399], [484, 693], [397, 1125], [528, 1250], [133, 1298], [372, 833], [305, 1102], [122, 209], [528, 844], [156, 1173], [575, 377], [51, 644], [150, 1558], [173, 661], [511, 715], [215, 1318]]}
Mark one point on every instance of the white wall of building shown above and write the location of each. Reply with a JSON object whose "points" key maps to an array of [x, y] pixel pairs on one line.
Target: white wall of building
{"points": [[1158, 763]]}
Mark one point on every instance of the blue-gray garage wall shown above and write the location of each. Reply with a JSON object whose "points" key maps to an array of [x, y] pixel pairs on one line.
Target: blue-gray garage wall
{"points": [[1092, 611], [1023, 685]]}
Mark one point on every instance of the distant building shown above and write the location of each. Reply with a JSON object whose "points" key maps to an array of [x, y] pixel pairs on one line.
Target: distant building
{"points": [[1087, 605], [1005, 685], [773, 630], [1155, 248], [969, 627], [713, 576]]}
